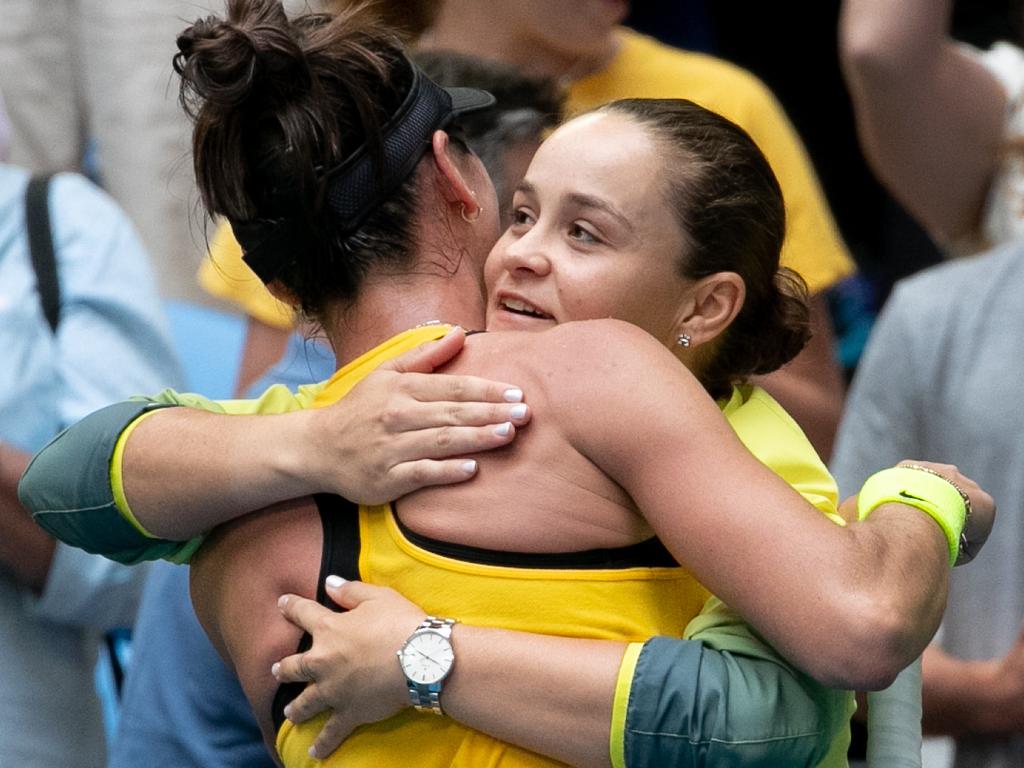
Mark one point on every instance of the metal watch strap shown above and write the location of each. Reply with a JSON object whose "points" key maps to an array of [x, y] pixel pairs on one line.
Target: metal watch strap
{"points": [[427, 698]]}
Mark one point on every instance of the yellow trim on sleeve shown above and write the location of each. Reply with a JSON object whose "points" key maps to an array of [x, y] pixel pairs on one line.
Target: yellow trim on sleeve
{"points": [[620, 705], [117, 476], [836, 518]]}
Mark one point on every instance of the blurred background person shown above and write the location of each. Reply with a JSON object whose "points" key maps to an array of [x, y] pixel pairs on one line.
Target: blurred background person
{"points": [[104, 340], [941, 123]]}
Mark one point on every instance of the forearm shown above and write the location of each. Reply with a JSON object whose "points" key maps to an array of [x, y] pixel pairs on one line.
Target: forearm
{"points": [[685, 703], [720, 696], [551, 695], [849, 605], [883, 598], [929, 118], [74, 493], [966, 698], [233, 464]]}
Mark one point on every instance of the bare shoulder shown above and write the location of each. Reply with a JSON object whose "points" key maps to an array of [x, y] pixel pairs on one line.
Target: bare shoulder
{"points": [[586, 367], [568, 351]]}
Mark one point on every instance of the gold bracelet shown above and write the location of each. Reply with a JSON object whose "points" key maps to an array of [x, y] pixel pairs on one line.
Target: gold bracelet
{"points": [[963, 551]]}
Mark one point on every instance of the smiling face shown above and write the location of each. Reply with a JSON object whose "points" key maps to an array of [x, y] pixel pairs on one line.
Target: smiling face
{"points": [[592, 235]]}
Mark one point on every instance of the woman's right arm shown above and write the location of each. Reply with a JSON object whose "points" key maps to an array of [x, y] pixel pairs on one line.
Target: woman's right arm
{"points": [[930, 118], [103, 485]]}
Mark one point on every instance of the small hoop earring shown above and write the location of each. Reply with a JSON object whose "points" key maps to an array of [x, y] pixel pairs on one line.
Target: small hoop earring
{"points": [[467, 218], [683, 340]]}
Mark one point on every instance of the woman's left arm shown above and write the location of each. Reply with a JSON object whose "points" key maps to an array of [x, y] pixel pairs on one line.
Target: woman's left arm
{"points": [[850, 605], [585, 702]]}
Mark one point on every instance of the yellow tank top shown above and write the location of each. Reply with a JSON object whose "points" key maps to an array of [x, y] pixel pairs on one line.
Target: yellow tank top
{"points": [[628, 603]]}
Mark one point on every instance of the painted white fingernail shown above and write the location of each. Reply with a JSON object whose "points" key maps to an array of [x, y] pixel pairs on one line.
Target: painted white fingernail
{"points": [[518, 411], [282, 601], [502, 430], [469, 467], [513, 395], [312, 752], [334, 582], [275, 668]]}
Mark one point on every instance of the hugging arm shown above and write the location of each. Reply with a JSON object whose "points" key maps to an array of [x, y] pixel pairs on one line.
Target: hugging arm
{"points": [[721, 696], [112, 484], [930, 118], [850, 605]]}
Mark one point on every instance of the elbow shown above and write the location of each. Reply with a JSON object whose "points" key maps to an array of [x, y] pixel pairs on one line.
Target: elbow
{"points": [[867, 60], [872, 641], [877, 52]]}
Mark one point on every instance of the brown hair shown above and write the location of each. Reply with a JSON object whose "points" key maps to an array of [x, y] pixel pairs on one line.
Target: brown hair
{"points": [[277, 102], [731, 212]]}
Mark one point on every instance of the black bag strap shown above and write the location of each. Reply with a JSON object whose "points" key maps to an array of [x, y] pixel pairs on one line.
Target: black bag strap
{"points": [[40, 244]]}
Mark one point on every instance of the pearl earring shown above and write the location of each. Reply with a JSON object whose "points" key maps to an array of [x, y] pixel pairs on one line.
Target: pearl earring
{"points": [[683, 340]]}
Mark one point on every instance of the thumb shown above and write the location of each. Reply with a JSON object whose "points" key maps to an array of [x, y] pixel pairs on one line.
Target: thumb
{"points": [[349, 594], [428, 357]]}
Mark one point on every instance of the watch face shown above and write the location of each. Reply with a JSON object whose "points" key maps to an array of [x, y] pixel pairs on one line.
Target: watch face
{"points": [[427, 657]]}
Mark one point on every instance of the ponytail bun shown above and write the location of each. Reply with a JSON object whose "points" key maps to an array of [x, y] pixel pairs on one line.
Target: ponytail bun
{"points": [[251, 54], [275, 103], [784, 324]]}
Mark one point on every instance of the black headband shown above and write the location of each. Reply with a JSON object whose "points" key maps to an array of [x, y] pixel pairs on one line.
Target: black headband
{"points": [[358, 185]]}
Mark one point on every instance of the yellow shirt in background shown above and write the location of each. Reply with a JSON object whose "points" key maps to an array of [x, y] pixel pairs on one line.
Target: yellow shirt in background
{"points": [[227, 277], [645, 68]]}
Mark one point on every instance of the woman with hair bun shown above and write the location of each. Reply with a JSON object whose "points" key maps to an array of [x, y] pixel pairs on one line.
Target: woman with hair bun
{"points": [[339, 166]]}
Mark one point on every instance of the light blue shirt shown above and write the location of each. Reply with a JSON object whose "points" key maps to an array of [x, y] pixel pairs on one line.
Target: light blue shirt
{"points": [[112, 342]]}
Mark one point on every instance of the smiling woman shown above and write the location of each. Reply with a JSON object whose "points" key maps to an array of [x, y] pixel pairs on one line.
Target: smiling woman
{"points": [[590, 239], [691, 251]]}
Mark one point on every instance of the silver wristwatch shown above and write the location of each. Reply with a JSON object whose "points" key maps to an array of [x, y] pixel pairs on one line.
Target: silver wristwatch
{"points": [[426, 660]]}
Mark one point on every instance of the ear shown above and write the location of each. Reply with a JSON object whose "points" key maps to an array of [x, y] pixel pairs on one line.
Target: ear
{"points": [[454, 187], [715, 301]]}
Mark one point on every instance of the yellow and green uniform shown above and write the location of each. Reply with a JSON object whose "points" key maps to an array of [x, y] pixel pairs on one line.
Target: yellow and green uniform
{"points": [[72, 506]]}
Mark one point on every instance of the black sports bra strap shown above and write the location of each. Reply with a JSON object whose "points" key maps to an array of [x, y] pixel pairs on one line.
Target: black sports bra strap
{"points": [[339, 520]]}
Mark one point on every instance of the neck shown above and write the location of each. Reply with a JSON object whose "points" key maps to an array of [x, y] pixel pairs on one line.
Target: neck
{"points": [[470, 27], [388, 305]]}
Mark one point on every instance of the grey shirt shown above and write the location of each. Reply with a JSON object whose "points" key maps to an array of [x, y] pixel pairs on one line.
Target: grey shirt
{"points": [[940, 381]]}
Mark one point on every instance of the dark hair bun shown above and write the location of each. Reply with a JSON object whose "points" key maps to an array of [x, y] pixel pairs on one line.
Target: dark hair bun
{"points": [[249, 55], [785, 323], [276, 102]]}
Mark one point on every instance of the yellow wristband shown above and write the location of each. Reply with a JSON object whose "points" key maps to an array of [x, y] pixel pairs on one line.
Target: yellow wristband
{"points": [[933, 494]]}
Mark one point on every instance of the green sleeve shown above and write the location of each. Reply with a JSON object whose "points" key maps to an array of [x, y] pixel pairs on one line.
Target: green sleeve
{"points": [[67, 489], [68, 485], [722, 697]]}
